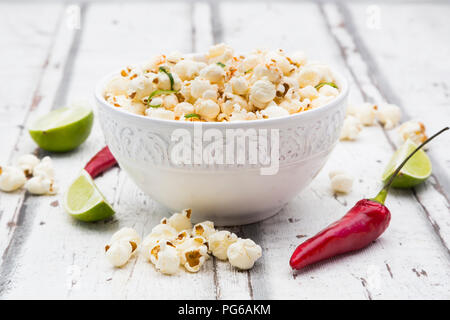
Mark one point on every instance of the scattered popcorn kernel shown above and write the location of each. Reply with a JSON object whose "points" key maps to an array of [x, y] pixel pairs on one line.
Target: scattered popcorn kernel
{"points": [[149, 242], [365, 112], [351, 128], [40, 185], [119, 252], [341, 181], [165, 258], [195, 258], [243, 253], [181, 221], [182, 237], [413, 130], [128, 234], [27, 163], [189, 243], [389, 115], [204, 229], [44, 169], [11, 178], [164, 231], [219, 242]]}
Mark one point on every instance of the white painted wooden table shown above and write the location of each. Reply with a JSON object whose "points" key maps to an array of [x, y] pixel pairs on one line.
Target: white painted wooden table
{"points": [[45, 63]]}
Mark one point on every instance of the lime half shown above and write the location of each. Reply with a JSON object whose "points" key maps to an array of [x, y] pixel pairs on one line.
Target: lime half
{"points": [[415, 171], [62, 129], [84, 201]]}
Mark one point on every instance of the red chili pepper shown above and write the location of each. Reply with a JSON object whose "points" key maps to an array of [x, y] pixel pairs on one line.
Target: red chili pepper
{"points": [[101, 162], [363, 224]]}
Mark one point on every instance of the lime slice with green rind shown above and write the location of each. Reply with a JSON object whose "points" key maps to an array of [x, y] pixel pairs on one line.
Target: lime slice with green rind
{"points": [[415, 171], [62, 129], [83, 201]]}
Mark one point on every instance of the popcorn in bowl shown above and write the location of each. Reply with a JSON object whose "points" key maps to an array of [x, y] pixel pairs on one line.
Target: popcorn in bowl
{"points": [[221, 86]]}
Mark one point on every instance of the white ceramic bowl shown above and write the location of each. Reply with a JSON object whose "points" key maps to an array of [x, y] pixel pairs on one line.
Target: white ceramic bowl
{"points": [[228, 194]]}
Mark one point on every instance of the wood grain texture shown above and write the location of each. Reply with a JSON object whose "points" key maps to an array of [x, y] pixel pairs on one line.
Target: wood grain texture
{"points": [[51, 255]]}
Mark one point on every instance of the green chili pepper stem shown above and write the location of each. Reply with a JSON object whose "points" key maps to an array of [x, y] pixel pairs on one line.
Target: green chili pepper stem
{"points": [[381, 196]]}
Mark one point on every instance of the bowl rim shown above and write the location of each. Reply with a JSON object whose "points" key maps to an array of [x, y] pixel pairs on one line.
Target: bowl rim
{"points": [[340, 79]]}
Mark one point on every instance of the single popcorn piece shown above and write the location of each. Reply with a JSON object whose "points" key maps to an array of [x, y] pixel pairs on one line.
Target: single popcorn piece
{"points": [[119, 252], [193, 253], [147, 245], [207, 109], [309, 92], [262, 91], [213, 72], [128, 234], [40, 185], [274, 111], [351, 128], [195, 258], [181, 221], [165, 257], [414, 130], [27, 163], [11, 178], [243, 253], [182, 237], [204, 229], [199, 86], [44, 169], [365, 112], [219, 243], [183, 108], [239, 85], [341, 181], [164, 231], [160, 113], [309, 75], [329, 91], [389, 115]]}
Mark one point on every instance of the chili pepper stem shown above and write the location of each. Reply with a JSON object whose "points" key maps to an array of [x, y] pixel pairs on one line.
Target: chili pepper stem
{"points": [[381, 196]]}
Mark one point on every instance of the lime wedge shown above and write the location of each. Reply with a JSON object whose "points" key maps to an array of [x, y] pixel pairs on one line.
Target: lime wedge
{"points": [[415, 171], [62, 129], [84, 202]]}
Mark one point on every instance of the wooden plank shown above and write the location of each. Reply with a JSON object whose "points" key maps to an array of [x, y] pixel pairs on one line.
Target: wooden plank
{"points": [[69, 253], [30, 77], [383, 270], [25, 49], [376, 86]]}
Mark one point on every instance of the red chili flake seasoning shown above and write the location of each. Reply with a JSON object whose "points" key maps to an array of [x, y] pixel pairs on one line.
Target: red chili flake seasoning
{"points": [[362, 225]]}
